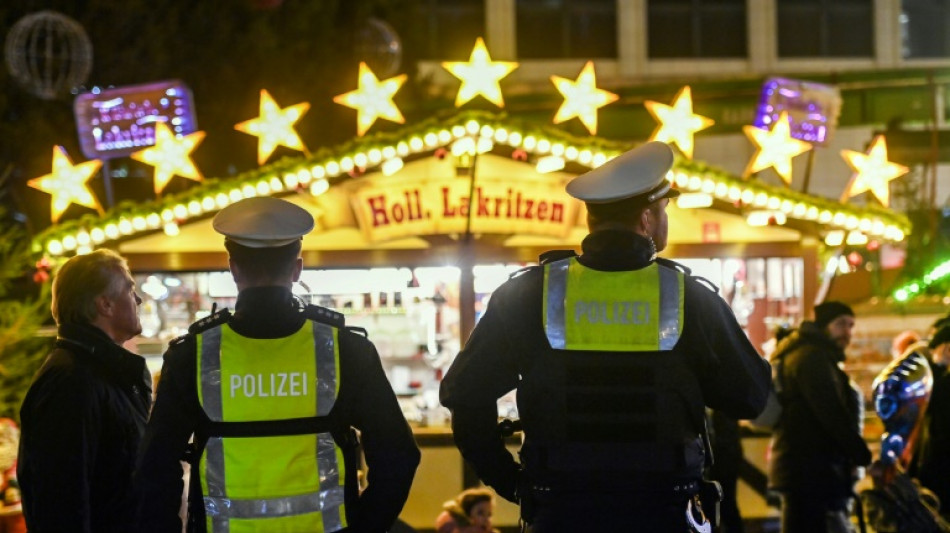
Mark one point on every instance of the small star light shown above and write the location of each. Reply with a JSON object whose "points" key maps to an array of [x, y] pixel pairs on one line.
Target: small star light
{"points": [[67, 183], [873, 172], [373, 99], [678, 123], [776, 148], [480, 75], [274, 126], [170, 155], [582, 98]]}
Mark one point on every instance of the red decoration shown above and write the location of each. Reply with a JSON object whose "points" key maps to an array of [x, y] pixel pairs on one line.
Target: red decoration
{"points": [[519, 155]]}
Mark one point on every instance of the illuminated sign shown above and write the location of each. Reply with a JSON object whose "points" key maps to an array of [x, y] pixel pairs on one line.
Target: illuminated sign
{"points": [[116, 122], [812, 108], [394, 208]]}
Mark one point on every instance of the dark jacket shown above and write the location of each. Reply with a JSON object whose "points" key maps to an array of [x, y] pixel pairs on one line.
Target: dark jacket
{"points": [[931, 464], [366, 402], [816, 443], [508, 348], [82, 421]]}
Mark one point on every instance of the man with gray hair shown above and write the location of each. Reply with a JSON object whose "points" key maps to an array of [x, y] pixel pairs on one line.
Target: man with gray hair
{"points": [[85, 412]]}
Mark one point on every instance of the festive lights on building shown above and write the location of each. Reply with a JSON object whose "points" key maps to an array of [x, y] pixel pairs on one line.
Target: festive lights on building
{"points": [[274, 126], [582, 98], [67, 183], [678, 123], [480, 75], [873, 172], [170, 155], [774, 148], [373, 99]]}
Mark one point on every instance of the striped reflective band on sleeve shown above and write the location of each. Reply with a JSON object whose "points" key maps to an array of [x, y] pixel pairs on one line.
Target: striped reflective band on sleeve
{"points": [[328, 500]]}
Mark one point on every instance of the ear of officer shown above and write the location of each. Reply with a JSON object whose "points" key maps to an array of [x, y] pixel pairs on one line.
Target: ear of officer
{"points": [[626, 192]]}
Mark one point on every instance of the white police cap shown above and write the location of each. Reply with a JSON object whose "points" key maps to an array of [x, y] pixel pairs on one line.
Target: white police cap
{"points": [[263, 222], [640, 172]]}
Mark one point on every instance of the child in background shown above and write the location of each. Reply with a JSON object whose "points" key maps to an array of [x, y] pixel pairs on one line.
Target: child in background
{"points": [[469, 512]]}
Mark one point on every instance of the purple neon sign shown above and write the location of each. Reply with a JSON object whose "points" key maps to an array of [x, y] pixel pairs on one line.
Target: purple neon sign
{"points": [[116, 122], [812, 108]]}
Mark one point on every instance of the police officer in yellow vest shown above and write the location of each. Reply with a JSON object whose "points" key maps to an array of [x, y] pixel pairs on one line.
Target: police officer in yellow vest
{"points": [[271, 395], [614, 355]]}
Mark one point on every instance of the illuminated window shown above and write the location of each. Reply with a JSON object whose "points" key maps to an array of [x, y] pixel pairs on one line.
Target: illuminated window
{"points": [[696, 29], [551, 29], [446, 29], [825, 28], [925, 28]]}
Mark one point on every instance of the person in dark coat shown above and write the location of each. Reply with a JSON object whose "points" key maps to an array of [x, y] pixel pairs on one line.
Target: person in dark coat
{"points": [[931, 462], [817, 444], [612, 424], [263, 238], [85, 412]]}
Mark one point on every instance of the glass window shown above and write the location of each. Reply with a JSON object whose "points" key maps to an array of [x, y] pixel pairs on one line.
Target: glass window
{"points": [[925, 28], [550, 29], [696, 29], [447, 29], [825, 28]]}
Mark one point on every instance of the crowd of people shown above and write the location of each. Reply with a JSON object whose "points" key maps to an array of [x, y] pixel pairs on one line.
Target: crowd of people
{"points": [[617, 355]]}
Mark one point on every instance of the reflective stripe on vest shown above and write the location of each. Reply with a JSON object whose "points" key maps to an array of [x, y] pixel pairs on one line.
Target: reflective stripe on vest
{"points": [[271, 483], [629, 311]]}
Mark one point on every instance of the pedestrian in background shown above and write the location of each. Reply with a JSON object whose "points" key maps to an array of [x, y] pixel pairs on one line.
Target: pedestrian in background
{"points": [[615, 354], [469, 512], [84, 415], [274, 395], [817, 445]]}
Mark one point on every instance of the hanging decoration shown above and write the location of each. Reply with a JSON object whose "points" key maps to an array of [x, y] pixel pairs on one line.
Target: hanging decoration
{"points": [[872, 171], [582, 98], [678, 123], [67, 183], [274, 126], [373, 99], [170, 156], [480, 75], [774, 148]]}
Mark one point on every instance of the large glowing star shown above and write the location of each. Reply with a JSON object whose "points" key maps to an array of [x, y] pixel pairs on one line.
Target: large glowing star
{"points": [[872, 171], [373, 99], [480, 75], [582, 98], [67, 183], [678, 123], [775, 148], [170, 156], [274, 126]]}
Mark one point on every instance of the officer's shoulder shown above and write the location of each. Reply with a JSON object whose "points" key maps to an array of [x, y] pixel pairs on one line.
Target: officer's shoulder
{"points": [[324, 315], [545, 258], [687, 273], [213, 320]]}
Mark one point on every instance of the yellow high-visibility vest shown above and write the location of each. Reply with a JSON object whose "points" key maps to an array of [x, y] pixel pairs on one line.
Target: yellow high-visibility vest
{"points": [[287, 483], [625, 311]]}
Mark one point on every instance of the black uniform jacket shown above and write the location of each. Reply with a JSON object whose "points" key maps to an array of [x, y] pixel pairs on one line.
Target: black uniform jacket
{"points": [[816, 443], [82, 421], [509, 341], [366, 402]]}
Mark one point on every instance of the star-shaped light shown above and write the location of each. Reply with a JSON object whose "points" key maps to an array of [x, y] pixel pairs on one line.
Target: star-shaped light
{"points": [[274, 126], [582, 98], [67, 183], [373, 99], [480, 75], [170, 155], [873, 172], [775, 148], [678, 123]]}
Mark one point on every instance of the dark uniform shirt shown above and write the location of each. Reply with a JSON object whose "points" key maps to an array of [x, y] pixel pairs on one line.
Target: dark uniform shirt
{"points": [[366, 402], [82, 421], [508, 348]]}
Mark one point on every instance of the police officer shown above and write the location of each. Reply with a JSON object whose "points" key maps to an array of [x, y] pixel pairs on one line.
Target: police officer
{"points": [[272, 395], [614, 354]]}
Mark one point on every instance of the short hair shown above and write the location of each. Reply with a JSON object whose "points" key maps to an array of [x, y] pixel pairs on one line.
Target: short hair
{"points": [[81, 280], [469, 498], [264, 264], [626, 211]]}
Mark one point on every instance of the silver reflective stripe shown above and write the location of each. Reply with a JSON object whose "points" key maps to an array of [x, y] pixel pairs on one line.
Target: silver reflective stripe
{"points": [[312, 502], [557, 293], [325, 354], [329, 480], [211, 373], [214, 477], [669, 308]]}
